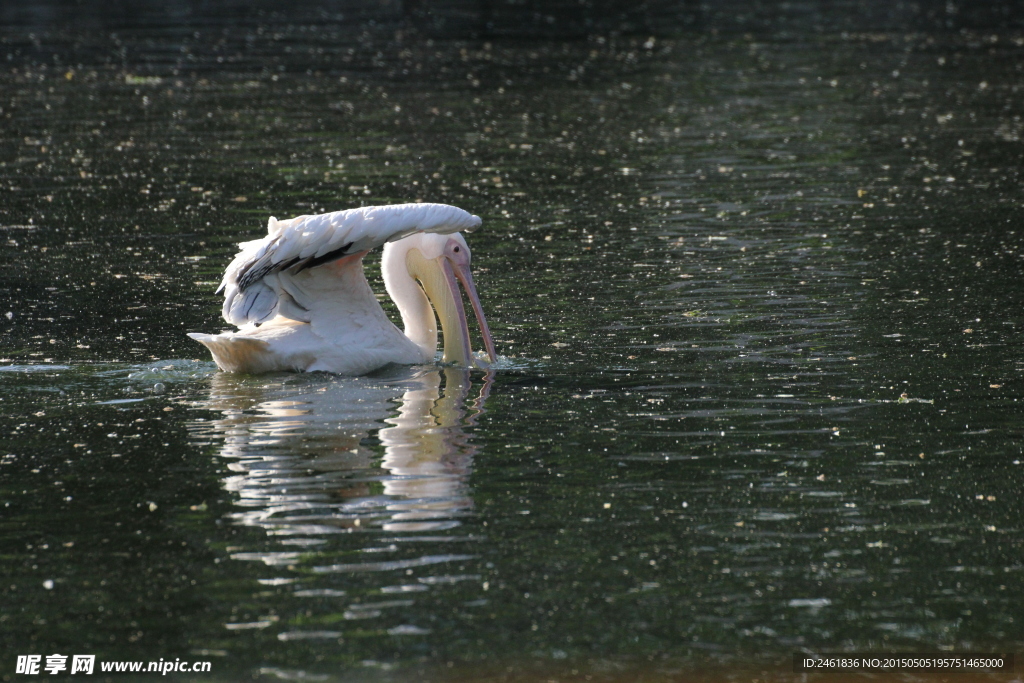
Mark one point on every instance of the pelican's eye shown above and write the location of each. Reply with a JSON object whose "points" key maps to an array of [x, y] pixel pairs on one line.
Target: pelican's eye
{"points": [[456, 250]]}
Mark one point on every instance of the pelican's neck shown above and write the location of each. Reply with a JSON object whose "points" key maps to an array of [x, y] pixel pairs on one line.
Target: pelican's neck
{"points": [[413, 305]]}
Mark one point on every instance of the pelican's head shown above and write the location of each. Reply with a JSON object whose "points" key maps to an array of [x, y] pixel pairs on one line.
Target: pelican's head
{"points": [[424, 270]]}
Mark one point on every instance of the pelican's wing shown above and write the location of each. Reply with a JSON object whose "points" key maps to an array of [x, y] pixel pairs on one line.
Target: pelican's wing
{"points": [[252, 291]]}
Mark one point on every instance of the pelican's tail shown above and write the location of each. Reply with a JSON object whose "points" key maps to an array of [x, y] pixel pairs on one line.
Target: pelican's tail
{"points": [[235, 353]]}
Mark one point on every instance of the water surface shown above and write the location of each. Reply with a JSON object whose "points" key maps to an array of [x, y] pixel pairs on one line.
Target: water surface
{"points": [[756, 296]]}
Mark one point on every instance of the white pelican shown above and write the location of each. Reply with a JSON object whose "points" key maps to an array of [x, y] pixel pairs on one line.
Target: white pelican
{"points": [[301, 301]]}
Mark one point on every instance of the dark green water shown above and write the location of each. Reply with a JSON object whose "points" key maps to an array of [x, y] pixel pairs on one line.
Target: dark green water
{"points": [[758, 299]]}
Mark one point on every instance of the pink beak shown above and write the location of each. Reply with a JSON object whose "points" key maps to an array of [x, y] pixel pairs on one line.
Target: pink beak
{"points": [[462, 273]]}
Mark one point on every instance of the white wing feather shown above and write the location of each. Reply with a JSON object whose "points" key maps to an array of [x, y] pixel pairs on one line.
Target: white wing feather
{"points": [[253, 292]]}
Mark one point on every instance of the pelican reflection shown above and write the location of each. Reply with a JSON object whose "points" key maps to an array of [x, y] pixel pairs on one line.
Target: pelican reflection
{"points": [[304, 451]]}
